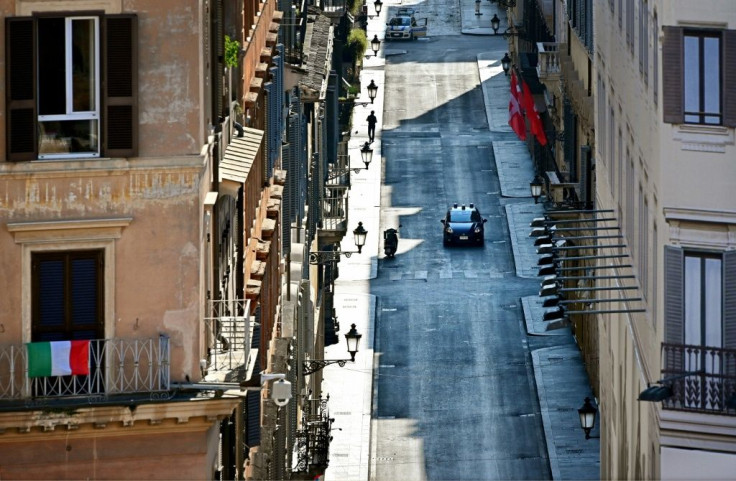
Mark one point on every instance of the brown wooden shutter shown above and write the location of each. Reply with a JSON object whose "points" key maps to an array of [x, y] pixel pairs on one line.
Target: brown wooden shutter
{"points": [[20, 89], [672, 81], [729, 309], [674, 307], [120, 87], [729, 78]]}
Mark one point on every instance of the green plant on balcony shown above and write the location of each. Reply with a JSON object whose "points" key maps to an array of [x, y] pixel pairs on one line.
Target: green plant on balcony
{"points": [[354, 6], [232, 52], [356, 46]]}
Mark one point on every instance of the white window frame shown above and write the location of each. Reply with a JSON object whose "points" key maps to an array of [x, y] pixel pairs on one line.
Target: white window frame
{"points": [[91, 115]]}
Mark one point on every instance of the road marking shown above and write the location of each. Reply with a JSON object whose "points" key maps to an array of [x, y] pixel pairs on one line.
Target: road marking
{"points": [[389, 309], [386, 365]]}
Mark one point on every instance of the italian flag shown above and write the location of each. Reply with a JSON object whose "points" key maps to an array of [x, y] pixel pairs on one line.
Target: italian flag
{"points": [[60, 358]]}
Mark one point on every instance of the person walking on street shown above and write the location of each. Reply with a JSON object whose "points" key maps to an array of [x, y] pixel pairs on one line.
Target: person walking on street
{"points": [[372, 126]]}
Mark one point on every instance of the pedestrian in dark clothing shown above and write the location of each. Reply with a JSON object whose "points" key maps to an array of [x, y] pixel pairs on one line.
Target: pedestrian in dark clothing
{"points": [[372, 125]]}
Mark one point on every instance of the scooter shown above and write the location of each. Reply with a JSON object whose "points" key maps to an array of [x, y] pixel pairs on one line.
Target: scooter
{"points": [[390, 241]]}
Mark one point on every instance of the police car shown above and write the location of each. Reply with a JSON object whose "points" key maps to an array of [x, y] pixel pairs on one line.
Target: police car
{"points": [[404, 26], [463, 225]]}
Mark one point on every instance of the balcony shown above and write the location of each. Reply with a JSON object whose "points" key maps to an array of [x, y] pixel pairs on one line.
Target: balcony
{"points": [[229, 333], [312, 446], [548, 63], [117, 366], [712, 390]]}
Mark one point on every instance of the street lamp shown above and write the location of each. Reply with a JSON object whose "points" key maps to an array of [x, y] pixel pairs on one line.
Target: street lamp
{"points": [[325, 257], [372, 90], [378, 5], [495, 24], [536, 187], [366, 154], [353, 340], [506, 63], [477, 7], [359, 233], [587, 414], [375, 45]]}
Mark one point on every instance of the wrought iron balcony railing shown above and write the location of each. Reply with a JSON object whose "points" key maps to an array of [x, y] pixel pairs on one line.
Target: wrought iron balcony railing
{"points": [[711, 390], [117, 366], [313, 440], [335, 210]]}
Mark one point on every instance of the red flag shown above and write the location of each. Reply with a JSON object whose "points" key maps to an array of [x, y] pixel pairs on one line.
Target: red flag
{"points": [[536, 127], [516, 119]]}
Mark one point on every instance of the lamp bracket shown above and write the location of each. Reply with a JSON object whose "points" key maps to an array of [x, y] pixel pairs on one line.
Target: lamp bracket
{"points": [[313, 365], [325, 257]]}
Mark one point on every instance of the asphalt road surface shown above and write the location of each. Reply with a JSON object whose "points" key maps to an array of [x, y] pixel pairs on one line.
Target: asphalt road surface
{"points": [[454, 397]]}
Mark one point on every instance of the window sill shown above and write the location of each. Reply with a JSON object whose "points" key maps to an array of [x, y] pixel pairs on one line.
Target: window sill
{"points": [[704, 138]]}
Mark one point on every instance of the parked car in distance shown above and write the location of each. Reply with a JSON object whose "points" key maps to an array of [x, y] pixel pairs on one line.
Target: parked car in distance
{"points": [[405, 27], [463, 225]]}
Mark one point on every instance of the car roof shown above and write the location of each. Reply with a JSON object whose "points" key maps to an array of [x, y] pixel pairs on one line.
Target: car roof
{"points": [[457, 206]]}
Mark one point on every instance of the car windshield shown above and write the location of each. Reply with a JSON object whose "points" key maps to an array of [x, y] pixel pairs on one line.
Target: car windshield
{"points": [[399, 21], [464, 216]]}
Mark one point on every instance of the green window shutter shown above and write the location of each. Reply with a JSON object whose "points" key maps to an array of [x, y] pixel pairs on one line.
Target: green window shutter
{"points": [[672, 81], [20, 89], [120, 86]]}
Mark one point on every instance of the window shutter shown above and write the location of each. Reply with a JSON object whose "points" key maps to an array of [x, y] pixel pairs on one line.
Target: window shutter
{"points": [[120, 86], [672, 82], [674, 309], [729, 78], [50, 295], [729, 300], [85, 297], [20, 89]]}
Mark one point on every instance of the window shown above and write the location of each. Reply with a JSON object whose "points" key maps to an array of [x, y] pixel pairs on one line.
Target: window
{"points": [[702, 70], [700, 313], [67, 304], [66, 293], [643, 240], [697, 71], [630, 24], [70, 84], [612, 148], [68, 89], [643, 41], [703, 308], [655, 58], [655, 274], [620, 176]]}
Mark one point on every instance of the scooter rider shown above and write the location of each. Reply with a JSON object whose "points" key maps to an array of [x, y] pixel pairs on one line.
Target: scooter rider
{"points": [[390, 241]]}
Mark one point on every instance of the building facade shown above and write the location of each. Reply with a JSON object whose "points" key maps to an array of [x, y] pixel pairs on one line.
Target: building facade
{"points": [[665, 117], [140, 214]]}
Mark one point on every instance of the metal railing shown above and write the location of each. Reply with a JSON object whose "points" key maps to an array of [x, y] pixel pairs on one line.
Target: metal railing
{"points": [[117, 366], [710, 389], [335, 210], [313, 440], [228, 334]]}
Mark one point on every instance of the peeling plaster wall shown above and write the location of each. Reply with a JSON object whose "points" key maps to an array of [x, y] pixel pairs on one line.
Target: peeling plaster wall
{"points": [[156, 282]]}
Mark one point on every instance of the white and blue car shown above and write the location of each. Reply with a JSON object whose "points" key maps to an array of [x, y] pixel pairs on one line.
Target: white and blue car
{"points": [[406, 27]]}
